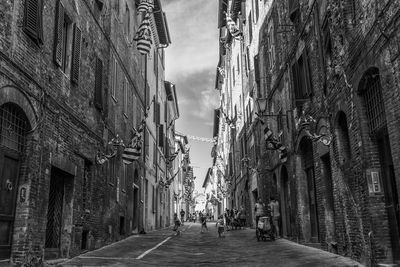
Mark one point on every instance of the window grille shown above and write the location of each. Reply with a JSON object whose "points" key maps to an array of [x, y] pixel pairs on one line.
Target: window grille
{"points": [[13, 127], [374, 104]]}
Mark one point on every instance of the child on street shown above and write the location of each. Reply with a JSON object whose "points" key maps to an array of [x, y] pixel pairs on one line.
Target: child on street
{"points": [[177, 223], [220, 226]]}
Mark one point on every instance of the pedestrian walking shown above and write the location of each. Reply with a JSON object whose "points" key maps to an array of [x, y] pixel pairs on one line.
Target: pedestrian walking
{"points": [[177, 223], [259, 210], [242, 216], [182, 216], [203, 220], [220, 226], [274, 207]]}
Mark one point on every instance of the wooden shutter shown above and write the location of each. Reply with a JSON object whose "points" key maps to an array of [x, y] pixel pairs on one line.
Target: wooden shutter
{"points": [[161, 135], [32, 24], [98, 90], [307, 74], [256, 69], [296, 81], [166, 111], [76, 54], [158, 113], [59, 36]]}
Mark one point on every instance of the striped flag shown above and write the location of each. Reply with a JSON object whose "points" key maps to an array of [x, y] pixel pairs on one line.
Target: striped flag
{"points": [[233, 29], [143, 36], [267, 134], [134, 150], [145, 6]]}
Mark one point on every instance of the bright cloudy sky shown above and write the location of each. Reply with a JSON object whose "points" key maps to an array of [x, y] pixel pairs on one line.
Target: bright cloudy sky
{"points": [[191, 61]]}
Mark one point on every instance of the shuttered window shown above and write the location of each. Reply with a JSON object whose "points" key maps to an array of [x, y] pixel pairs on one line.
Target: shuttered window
{"points": [[302, 78], [257, 69], [126, 97], [32, 24], [161, 135], [146, 142], [157, 113], [98, 87], [76, 54], [59, 37]]}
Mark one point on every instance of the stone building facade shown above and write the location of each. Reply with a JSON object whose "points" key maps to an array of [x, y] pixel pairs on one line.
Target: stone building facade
{"points": [[336, 64], [72, 84]]}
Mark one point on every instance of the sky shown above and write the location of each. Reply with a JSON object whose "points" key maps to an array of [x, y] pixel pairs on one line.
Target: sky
{"points": [[191, 62]]}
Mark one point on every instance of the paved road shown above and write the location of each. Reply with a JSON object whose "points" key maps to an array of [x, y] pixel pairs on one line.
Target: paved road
{"points": [[192, 248]]}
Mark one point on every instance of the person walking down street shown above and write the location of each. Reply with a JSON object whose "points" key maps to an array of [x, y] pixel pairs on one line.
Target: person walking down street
{"points": [[203, 220], [242, 217], [227, 219], [259, 210], [182, 216], [274, 207], [220, 226], [177, 223]]}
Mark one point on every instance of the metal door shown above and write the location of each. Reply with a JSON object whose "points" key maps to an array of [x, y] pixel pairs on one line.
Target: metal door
{"points": [[9, 167]]}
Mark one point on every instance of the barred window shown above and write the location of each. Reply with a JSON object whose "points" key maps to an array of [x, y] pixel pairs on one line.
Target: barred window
{"points": [[373, 99]]}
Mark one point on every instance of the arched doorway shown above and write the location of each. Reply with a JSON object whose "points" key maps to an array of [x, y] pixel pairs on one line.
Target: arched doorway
{"points": [[370, 90], [307, 162], [286, 207], [14, 127]]}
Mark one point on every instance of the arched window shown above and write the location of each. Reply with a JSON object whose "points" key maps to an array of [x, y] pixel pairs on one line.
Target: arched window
{"points": [[371, 91], [13, 127]]}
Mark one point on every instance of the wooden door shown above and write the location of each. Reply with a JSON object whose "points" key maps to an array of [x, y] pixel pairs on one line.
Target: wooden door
{"points": [[54, 214], [391, 194], [9, 167]]}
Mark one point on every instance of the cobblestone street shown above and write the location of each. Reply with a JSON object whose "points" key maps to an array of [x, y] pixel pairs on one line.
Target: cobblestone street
{"points": [[238, 248]]}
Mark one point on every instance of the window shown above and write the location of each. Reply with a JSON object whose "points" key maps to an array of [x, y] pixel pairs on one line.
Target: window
{"points": [[155, 150], [257, 10], [250, 28], [126, 97], [373, 99], [271, 45], [157, 113], [114, 78], [33, 25], [146, 142], [301, 79], [155, 60], [98, 90], [127, 21], [62, 39], [161, 135]]}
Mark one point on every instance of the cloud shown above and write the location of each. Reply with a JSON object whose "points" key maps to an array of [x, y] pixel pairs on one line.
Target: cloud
{"points": [[194, 36]]}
